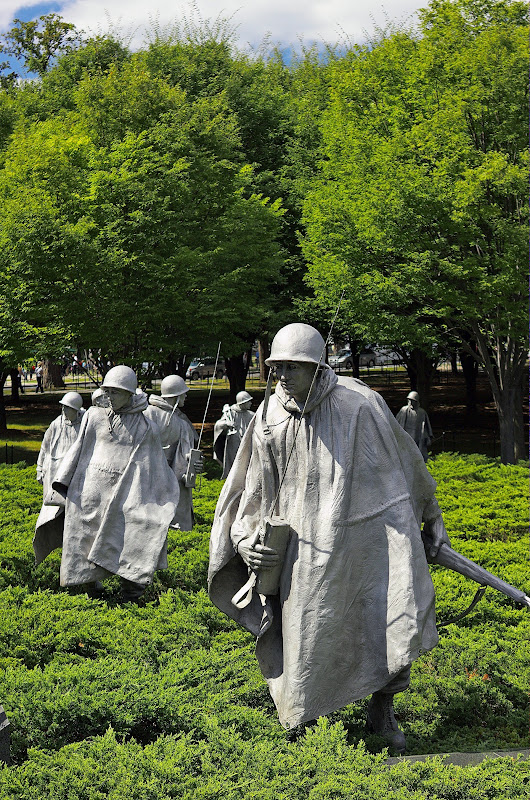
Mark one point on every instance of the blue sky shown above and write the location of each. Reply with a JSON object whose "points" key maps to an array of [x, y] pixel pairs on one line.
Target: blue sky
{"points": [[285, 22]]}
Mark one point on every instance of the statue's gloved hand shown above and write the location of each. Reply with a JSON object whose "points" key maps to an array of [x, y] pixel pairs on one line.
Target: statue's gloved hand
{"points": [[435, 529], [256, 555], [40, 476]]}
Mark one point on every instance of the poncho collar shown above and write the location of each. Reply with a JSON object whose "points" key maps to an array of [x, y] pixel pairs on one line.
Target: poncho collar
{"points": [[324, 385], [76, 421], [136, 406], [159, 402]]}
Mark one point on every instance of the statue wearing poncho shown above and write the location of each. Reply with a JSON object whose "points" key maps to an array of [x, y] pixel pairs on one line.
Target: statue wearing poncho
{"points": [[229, 431], [356, 602], [121, 494], [57, 440]]}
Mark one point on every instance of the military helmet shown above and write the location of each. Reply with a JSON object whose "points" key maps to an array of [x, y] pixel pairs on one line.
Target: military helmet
{"points": [[243, 397], [413, 396], [72, 400], [173, 386], [121, 377], [297, 342], [98, 397]]}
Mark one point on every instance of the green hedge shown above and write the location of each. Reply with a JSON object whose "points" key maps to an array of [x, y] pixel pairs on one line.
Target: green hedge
{"points": [[166, 699], [225, 765]]}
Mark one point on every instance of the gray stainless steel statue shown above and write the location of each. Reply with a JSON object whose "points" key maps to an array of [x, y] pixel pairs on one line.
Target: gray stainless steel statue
{"points": [[229, 430], [119, 494], [355, 605], [178, 437], [415, 421], [57, 440]]}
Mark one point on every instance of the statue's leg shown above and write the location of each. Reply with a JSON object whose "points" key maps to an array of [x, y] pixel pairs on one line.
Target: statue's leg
{"points": [[380, 717]]}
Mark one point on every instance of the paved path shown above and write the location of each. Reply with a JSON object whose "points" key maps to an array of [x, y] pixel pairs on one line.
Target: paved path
{"points": [[463, 759]]}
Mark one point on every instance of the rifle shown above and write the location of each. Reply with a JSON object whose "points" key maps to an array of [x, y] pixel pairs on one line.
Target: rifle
{"points": [[447, 557]]}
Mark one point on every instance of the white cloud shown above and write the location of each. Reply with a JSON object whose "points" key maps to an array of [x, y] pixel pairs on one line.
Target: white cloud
{"points": [[285, 21]]}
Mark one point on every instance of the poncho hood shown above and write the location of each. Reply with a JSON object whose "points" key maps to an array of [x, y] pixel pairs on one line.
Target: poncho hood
{"points": [[325, 382], [138, 403]]}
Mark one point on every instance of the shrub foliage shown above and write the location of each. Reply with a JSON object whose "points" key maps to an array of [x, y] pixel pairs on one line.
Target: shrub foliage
{"points": [[165, 699]]}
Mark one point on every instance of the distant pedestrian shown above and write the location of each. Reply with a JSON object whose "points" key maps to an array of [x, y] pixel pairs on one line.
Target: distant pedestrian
{"points": [[38, 375], [19, 379]]}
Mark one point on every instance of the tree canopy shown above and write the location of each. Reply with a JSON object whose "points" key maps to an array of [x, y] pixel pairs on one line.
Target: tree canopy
{"points": [[418, 206], [158, 201]]}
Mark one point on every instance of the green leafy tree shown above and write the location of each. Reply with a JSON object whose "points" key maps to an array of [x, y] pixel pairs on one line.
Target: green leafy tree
{"points": [[419, 209], [39, 42], [135, 219]]}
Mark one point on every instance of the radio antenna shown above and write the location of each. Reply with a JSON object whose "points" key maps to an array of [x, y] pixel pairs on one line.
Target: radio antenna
{"points": [[209, 395]]}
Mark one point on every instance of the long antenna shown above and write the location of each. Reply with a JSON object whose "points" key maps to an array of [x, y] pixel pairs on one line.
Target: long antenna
{"points": [[209, 395], [273, 506]]}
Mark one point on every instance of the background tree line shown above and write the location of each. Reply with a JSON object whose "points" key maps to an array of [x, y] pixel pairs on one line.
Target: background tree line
{"points": [[155, 202]]}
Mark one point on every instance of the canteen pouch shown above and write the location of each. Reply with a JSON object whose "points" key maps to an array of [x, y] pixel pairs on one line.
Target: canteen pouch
{"points": [[275, 535]]}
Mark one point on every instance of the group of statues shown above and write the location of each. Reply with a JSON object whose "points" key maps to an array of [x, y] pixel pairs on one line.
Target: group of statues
{"points": [[114, 479], [323, 459]]}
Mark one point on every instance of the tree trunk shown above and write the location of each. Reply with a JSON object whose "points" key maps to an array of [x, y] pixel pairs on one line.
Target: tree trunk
{"points": [[182, 366], [51, 375], [520, 451], [470, 370], [13, 374], [3, 417], [420, 369], [264, 352], [237, 374], [454, 362], [510, 411], [169, 366], [505, 368], [355, 355], [506, 412]]}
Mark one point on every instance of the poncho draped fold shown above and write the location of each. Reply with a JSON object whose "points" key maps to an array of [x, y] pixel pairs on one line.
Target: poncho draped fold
{"points": [[356, 601], [121, 498], [417, 424], [57, 440], [178, 436]]}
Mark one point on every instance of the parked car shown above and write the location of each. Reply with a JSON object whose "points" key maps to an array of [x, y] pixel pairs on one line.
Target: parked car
{"points": [[203, 368], [344, 359], [385, 356]]}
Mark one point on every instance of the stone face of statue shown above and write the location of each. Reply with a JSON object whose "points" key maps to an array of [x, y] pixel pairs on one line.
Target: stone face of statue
{"points": [[181, 399], [414, 404], [245, 406], [70, 413], [118, 398], [295, 378]]}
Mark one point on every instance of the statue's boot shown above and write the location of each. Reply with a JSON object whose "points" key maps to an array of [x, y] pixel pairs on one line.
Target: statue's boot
{"points": [[131, 591], [95, 590], [380, 719]]}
